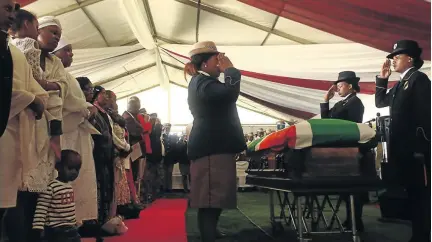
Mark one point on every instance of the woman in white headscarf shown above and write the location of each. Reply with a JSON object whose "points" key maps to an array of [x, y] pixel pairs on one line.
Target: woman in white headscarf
{"points": [[50, 32], [76, 136]]}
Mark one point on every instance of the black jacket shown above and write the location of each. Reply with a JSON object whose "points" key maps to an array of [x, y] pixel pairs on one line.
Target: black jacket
{"points": [[6, 75], [410, 118], [156, 145], [134, 128], [170, 145], [350, 109], [216, 126]]}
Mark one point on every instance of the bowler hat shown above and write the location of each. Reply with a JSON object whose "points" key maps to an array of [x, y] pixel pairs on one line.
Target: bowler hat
{"points": [[409, 47], [350, 78]]}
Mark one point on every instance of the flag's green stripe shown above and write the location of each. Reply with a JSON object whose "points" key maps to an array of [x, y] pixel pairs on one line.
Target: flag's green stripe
{"points": [[340, 130], [251, 146]]}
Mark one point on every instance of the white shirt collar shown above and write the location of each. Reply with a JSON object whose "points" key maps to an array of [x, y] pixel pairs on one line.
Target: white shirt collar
{"points": [[405, 72], [347, 96], [204, 73]]}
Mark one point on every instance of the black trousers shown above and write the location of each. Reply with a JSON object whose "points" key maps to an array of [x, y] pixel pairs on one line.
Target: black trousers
{"points": [[18, 221], [419, 197], [2, 212]]}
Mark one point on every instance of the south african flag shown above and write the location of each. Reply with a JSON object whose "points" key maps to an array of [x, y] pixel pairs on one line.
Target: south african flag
{"points": [[315, 132]]}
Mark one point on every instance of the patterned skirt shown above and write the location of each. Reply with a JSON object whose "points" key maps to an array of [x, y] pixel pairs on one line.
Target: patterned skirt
{"points": [[122, 192]]}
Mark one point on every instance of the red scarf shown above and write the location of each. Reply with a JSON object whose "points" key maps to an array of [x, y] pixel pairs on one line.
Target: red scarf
{"points": [[147, 126]]}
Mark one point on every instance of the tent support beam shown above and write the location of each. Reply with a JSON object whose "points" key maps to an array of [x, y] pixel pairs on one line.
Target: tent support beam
{"points": [[172, 41], [94, 24], [172, 65], [272, 28], [198, 21], [233, 17], [126, 73], [71, 8], [150, 19], [133, 42]]}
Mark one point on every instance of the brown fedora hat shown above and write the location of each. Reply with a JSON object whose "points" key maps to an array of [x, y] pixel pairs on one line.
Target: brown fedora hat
{"points": [[203, 47]]}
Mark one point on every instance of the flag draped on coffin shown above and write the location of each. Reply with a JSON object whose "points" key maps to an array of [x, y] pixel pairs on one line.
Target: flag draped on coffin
{"points": [[315, 132]]}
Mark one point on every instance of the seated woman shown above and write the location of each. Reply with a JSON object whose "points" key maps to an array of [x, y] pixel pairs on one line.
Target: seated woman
{"points": [[350, 108]]}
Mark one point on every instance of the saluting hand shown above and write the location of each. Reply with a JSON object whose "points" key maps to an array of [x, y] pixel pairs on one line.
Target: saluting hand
{"points": [[385, 70], [224, 62], [330, 93]]}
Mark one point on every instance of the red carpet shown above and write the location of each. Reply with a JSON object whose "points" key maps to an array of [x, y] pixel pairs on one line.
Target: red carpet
{"points": [[163, 221]]}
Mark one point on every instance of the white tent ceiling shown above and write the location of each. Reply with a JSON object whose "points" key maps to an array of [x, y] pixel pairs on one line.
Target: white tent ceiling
{"points": [[121, 44], [101, 23]]}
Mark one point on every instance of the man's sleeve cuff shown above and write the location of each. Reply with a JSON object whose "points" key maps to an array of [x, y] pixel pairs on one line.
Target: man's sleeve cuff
{"points": [[56, 128], [381, 82], [324, 106]]}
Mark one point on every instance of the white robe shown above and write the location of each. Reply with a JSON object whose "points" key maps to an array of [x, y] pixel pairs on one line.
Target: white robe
{"points": [[77, 136], [17, 145], [37, 179]]}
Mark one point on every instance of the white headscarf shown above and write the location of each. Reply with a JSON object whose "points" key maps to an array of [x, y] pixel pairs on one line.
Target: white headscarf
{"points": [[48, 21], [61, 44]]}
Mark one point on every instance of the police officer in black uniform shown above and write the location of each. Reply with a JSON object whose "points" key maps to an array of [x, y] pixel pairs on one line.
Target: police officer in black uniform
{"points": [[350, 108], [410, 129]]}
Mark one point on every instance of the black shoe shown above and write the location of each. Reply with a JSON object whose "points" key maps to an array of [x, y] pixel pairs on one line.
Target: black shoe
{"points": [[220, 234]]}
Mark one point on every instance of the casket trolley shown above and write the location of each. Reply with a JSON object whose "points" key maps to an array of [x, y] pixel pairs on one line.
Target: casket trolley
{"points": [[304, 180]]}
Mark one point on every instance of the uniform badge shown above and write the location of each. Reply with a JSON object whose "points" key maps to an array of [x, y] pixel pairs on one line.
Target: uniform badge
{"points": [[394, 46], [405, 85]]}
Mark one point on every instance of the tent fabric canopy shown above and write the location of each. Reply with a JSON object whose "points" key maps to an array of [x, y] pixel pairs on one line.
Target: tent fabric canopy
{"points": [[387, 21], [287, 66]]}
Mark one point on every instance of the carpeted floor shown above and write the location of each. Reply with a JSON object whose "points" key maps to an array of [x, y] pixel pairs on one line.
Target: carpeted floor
{"points": [[166, 219], [163, 221]]}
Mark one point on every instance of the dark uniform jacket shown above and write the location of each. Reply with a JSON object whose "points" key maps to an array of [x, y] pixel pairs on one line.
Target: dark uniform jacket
{"points": [[410, 121], [350, 109], [170, 145], [6, 75], [216, 126]]}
